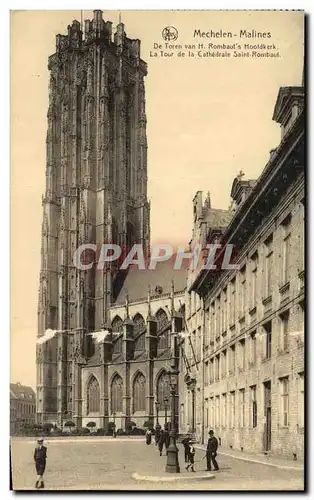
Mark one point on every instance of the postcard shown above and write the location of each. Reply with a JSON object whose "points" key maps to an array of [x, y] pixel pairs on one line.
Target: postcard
{"points": [[157, 243]]}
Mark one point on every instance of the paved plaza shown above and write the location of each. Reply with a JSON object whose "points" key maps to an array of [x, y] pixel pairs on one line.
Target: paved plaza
{"points": [[104, 463]]}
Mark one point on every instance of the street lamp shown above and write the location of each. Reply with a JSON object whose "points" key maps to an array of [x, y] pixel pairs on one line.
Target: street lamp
{"points": [[172, 451], [157, 410], [166, 401], [192, 386]]}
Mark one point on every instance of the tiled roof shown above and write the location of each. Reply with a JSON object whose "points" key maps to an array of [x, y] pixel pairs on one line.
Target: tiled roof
{"points": [[137, 281], [16, 391]]}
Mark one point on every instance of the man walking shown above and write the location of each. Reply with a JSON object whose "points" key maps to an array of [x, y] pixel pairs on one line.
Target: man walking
{"points": [[157, 433], [211, 451], [40, 456]]}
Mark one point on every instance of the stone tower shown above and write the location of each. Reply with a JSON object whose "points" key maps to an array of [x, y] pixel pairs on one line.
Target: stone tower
{"points": [[96, 192]]}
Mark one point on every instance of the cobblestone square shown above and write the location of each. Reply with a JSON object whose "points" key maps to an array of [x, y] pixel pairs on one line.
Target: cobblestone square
{"points": [[109, 464]]}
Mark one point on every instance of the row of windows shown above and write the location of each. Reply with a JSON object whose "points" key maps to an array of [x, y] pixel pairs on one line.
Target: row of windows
{"points": [[243, 354], [138, 393], [162, 321], [25, 408], [241, 293], [221, 410]]}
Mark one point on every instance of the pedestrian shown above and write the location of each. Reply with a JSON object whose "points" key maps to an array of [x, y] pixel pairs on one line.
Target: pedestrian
{"points": [[40, 456], [157, 433], [211, 451], [148, 436], [161, 441], [185, 443], [167, 437], [191, 455]]}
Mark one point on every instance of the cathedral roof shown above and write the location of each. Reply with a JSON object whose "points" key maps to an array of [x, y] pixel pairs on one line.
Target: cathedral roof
{"points": [[137, 282]]}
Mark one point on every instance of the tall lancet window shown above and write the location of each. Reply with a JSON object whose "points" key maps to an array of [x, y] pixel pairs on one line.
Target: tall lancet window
{"points": [[93, 396], [139, 327], [163, 390], [139, 393], [117, 329], [162, 321], [116, 394]]}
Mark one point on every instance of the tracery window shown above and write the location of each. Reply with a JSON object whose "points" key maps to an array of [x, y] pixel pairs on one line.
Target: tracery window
{"points": [[117, 347], [117, 325], [117, 328], [163, 390], [93, 396], [162, 319], [116, 394], [139, 393]]}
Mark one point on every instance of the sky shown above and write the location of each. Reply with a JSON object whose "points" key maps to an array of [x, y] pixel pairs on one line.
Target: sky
{"points": [[207, 119]]}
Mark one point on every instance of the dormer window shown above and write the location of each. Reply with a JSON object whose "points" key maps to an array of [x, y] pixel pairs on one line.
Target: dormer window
{"points": [[289, 104]]}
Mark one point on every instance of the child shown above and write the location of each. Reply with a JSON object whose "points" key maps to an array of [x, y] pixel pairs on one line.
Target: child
{"points": [[191, 454], [40, 456]]}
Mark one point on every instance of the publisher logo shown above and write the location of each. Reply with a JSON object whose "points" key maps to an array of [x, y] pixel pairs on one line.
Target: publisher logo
{"points": [[169, 34]]}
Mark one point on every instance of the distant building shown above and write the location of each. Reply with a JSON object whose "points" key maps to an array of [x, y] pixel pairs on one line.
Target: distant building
{"points": [[245, 355], [22, 407]]}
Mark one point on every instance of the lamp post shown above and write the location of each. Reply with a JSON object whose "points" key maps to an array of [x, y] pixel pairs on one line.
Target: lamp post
{"points": [[157, 410], [166, 401], [172, 451]]}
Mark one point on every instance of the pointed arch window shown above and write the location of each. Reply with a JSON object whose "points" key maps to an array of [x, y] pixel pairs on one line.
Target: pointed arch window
{"points": [[162, 321], [117, 347], [116, 394], [139, 393], [163, 390], [93, 396], [117, 329], [117, 325]]}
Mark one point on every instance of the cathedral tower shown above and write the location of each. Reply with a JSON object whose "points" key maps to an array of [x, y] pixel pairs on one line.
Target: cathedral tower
{"points": [[96, 192]]}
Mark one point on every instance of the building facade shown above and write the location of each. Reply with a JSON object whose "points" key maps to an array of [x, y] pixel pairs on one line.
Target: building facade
{"points": [[22, 407], [250, 377], [96, 192]]}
